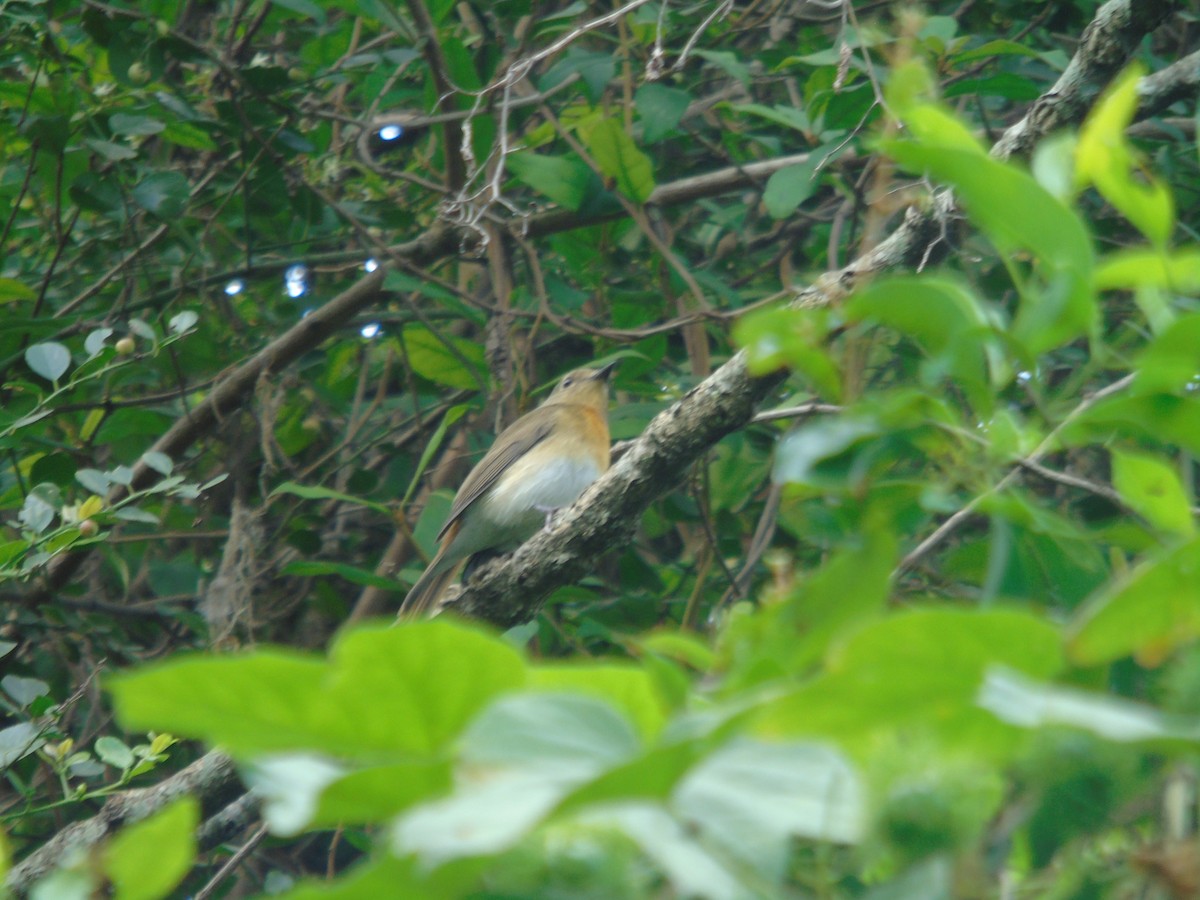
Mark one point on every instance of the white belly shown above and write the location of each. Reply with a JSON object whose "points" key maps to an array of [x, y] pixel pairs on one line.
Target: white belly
{"points": [[526, 490], [515, 507]]}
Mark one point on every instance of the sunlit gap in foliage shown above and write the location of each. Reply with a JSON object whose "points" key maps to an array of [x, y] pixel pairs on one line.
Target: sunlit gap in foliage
{"points": [[370, 265], [371, 330], [295, 280], [235, 287], [391, 133]]}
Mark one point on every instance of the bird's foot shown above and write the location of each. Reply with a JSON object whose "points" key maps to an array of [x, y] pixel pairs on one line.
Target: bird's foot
{"points": [[549, 512]]}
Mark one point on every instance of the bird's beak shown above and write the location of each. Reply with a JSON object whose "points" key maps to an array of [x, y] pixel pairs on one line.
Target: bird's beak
{"points": [[604, 371]]}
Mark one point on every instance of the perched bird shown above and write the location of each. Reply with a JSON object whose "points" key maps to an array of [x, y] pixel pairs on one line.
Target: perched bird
{"points": [[540, 463]]}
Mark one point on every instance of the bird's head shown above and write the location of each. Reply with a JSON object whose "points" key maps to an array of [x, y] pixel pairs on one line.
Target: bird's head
{"points": [[588, 386]]}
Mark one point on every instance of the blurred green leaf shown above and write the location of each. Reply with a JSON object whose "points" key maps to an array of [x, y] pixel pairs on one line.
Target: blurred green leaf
{"points": [[920, 667], [782, 336], [752, 798], [1148, 612], [1171, 362], [378, 793], [1022, 701], [629, 689], [535, 748], [1135, 267], [1152, 488], [396, 691], [952, 324], [1105, 158], [1017, 215], [146, 860]]}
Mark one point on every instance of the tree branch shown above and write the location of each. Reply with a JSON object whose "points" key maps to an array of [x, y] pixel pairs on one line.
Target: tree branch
{"points": [[212, 779], [1104, 49]]}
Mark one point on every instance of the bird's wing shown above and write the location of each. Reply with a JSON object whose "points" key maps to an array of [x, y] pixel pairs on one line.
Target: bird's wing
{"points": [[513, 443]]}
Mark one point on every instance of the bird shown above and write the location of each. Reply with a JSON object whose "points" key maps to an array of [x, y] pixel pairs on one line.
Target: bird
{"points": [[540, 463]]}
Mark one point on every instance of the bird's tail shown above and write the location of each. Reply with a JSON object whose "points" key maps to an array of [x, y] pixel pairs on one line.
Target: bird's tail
{"points": [[428, 588]]}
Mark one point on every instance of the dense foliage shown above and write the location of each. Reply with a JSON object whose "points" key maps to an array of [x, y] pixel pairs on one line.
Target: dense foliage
{"points": [[275, 272]]}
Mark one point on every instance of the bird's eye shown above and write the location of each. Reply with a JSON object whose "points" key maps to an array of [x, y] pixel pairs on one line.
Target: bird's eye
{"points": [[566, 382]]}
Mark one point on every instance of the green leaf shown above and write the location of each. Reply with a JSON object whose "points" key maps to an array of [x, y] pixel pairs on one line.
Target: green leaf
{"points": [[383, 875], [159, 462], [596, 68], [18, 741], [134, 124], [113, 751], [354, 574], [24, 690], [1155, 417], [146, 860], [165, 194], [550, 732], [691, 868], [729, 63], [564, 179], [400, 691], [628, 688], [432, 446], [184, 134], [379, 793], [950, 322], [1030, 704], [1147, 613], [1017, 214], [314, 492], [787, 116], [801, 451], [135, 514], [304, 8], [619, 158], [1172, 360], [446, 360], [50, 359], [184, 321], [783, 336], [110, 151], [753, 798], [917, 673], [787, 188], [264, 701], [1152, 488], [660, 108], [534, 748], [1136, 267], [932, 879], [11, 289], [1104, 157]]}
